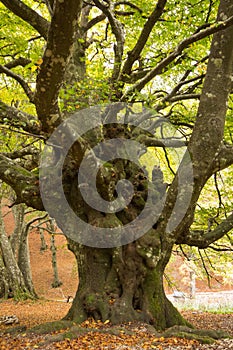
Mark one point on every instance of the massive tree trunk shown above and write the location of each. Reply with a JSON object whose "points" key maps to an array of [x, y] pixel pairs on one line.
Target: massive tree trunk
{"points": [[122, 285], [126, 283]]}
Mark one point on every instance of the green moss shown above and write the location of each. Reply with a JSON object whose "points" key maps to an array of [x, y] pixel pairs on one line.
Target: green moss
{"points": [[49, 327], [202, 339]]}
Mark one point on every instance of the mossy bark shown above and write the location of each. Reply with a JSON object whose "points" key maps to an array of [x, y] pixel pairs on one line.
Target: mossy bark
{"points": [[121, 286]]}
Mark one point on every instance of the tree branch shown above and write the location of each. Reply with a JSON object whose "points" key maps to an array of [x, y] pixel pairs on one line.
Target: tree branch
{"points": [[29, 15], [221, 25], [55, 59], [130, 4], [164, 143], [117, 29], [21, 61], [20, 80], [94, 21], [202, 240], [223, 158], [28, 150], [16, 118], [24, 183], [50, 4], [145, 33], [182, 82]]}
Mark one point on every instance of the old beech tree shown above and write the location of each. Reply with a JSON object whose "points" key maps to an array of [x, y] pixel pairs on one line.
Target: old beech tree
{"points": [[174, 57]]}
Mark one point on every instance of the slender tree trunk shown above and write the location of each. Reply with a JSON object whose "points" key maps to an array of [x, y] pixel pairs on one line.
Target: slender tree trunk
{"points": [[24, 260], [4, 286], [15, 277], [43, 245], [15, 280], [18, 213], [56, 281]]}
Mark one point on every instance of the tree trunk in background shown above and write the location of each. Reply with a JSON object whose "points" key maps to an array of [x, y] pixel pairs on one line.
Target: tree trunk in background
{"points": [[56, 281], [15, 278], [15, 281], [43, 246], [18, 213], [24, 260]]}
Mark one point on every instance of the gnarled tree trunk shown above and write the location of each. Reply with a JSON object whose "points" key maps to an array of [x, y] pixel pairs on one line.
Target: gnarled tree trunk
{"points": [[122, 285]]}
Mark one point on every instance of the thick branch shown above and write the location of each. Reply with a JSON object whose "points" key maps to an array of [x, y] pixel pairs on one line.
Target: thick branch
{"points": [[15, 118], [208, 131], [20, 80], [24, 183], [202, 240], [29, 150], [27, 14], [223, 159], [177, 52], [145, 33], [207, 136], [55, 59]]}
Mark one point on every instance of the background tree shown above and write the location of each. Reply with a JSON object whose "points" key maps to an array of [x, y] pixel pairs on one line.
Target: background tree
{"points": [[71, 55], [16, 279]]}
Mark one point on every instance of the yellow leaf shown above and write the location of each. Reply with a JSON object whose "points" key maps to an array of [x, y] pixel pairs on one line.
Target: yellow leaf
{"points": [[40, 61]]}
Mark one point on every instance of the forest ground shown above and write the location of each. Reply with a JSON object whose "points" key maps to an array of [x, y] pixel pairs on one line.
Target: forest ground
{"points": [[101, 336], [52, 306]]}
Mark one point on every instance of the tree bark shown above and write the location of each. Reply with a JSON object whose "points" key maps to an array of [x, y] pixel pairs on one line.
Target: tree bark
{"points": [[122, 285], [24, 261], [12, 276], [56, 281]]}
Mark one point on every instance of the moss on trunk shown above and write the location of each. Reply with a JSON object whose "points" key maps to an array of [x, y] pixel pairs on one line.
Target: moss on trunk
{"points": [[118, 285]]}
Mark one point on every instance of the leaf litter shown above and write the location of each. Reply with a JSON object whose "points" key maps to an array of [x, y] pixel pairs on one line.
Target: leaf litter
{"points": [[98, 335]]}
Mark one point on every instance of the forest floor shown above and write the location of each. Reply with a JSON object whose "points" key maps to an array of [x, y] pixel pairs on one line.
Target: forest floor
{"points": [[100, 336]]}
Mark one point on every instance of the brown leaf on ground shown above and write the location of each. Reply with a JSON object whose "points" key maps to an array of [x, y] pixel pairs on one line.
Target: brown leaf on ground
{"points": [[98, 335]]}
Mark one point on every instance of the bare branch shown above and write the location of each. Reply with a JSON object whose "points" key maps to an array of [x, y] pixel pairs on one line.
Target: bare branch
{"points": [[55, 59], [20, 80], [29, 15], [221, 25]]}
